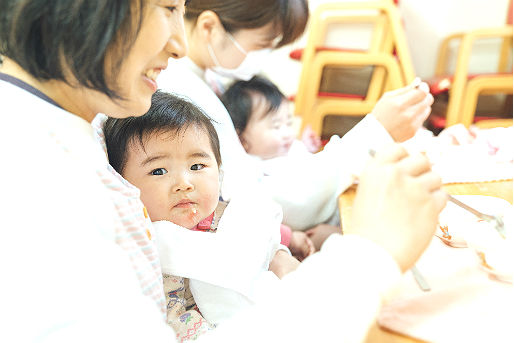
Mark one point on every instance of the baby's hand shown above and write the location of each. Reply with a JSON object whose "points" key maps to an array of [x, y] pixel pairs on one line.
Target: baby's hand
{"points": [[283, 263], [301, 245], [311, 140]]}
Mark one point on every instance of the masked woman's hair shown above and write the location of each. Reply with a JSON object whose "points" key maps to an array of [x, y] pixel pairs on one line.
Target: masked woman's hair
{"points": [[84, 39], [289, 16]]}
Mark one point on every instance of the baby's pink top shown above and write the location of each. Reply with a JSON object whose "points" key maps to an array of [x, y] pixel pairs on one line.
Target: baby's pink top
{"points": [[285, 234]]}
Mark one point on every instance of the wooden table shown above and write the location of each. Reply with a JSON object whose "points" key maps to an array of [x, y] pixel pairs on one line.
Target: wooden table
{"points": [[500, 189]]}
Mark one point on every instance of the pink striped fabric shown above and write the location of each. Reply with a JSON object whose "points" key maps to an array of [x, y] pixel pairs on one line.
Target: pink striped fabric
{"points": [[134, 233]]}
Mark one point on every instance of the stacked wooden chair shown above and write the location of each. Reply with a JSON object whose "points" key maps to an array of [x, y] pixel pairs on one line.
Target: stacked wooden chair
{"points": [[387, 54], [462, 88]]}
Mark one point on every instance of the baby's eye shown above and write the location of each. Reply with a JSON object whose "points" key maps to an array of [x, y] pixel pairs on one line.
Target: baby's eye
{"points": [[159, 171], [197, 166]]}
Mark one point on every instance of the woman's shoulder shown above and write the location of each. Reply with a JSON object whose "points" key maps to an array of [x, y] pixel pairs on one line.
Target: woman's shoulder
{"points": [[181, 78]]}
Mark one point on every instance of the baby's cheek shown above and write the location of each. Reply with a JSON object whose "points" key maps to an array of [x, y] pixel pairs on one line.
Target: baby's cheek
{"points": [[158, 209], [210, 201], [152, 208]]}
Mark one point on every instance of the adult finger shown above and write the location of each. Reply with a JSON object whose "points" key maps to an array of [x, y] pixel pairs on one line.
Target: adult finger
{"points": [[420, 108], [390, 154], [403, 90], [431, 181], [440, 199], [411, 97], [415, 94], [424, 87], [415, 165], [420, 118]]}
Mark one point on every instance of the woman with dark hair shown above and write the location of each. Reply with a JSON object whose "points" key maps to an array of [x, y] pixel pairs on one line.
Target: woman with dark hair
{"points": [[64, 62], [75, 269], [231, 38]]}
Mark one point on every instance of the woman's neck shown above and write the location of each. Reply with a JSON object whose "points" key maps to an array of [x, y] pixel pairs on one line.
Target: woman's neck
{"points": [[59, 91]]}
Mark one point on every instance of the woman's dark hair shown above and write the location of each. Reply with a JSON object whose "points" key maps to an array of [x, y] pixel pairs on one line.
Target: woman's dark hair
{"points": [[49, 38], [290, 16], [239, 99], [167, 114]]}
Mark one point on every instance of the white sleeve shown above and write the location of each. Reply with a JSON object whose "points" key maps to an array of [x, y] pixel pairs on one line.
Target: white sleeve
{"points": [[354, 146], [333, 296], [307, 188], [228, 270], [68, 280]]}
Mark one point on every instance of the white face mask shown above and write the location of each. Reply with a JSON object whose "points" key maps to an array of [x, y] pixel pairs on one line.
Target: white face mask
{"points": [[250, 66]]}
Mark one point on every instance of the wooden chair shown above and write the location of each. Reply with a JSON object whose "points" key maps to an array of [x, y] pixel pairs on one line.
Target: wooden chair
{"points": [[463, 87], [389, 70], [316, 109], [481, 85]]}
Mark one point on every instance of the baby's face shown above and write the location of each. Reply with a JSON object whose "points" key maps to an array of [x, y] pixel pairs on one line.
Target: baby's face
{"points": [[268, 136], [177, 174]]}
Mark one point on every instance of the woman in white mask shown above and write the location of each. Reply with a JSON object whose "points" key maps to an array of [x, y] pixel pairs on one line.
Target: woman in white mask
{"points": [[229, 38], [250, 66]]}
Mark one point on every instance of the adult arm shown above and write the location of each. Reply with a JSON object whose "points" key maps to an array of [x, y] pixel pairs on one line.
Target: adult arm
{"points": [[332, 297], [308, 188], [353, 272]]}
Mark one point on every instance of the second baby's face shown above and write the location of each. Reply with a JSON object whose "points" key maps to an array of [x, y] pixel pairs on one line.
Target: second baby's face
{"points": [[268, 135], [177, 174]]}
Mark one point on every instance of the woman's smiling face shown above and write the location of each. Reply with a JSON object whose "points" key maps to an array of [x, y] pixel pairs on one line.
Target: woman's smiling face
{"points": [[160, 37]]}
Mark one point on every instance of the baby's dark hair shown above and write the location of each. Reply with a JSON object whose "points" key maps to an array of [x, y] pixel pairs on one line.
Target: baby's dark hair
{"points": [[239, 102], [167, 114]]}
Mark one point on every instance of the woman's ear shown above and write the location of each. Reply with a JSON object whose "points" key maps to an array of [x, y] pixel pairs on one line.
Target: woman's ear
{"points": [[206, 23]]}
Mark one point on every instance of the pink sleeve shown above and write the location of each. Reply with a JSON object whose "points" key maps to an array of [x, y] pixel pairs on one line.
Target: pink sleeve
{"points": [[285, 234]]}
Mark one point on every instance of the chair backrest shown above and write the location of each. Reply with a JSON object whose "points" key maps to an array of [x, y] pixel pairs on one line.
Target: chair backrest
{"points": [[387, 36], [335, 27], [380, 17], [463, 91], [388, 33]]}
